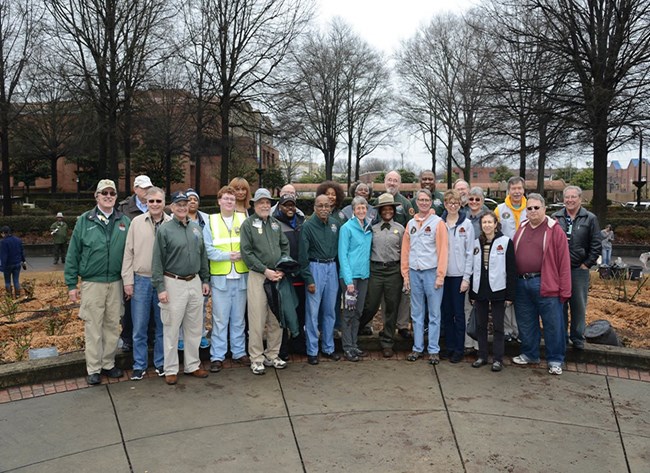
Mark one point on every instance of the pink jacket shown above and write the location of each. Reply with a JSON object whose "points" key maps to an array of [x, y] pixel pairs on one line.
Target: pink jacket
{"points": [[556, 262]]}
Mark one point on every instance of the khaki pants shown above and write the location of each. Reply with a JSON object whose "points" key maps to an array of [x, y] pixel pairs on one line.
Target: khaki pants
{"points": [[185, 308], [259, 316], [102, 306]]}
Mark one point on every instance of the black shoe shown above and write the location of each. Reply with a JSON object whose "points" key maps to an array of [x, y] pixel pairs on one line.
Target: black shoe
{"points": [[578, 346], [94, 379], [479, 362], [312, 360], [365, 331], [284, 356], [405, 333], [160, 371], [444, 355], [332, 356], [126, 346], [381, 334], [114, 372], [456, 358], [350, 356], [360, 353], [497, 366]]}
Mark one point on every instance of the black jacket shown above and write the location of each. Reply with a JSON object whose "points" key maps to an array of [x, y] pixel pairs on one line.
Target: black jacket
{"points": [[585, 238]]}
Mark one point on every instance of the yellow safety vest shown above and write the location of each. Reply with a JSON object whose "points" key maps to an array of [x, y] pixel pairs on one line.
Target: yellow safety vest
{"points": [[226, 240]]}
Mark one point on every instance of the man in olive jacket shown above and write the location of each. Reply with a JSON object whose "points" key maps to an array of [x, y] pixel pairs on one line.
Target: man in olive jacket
{"points": [[95, 255]]}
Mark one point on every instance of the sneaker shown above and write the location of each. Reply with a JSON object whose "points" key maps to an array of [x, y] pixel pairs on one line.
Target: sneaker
{"points": [[360, 353], [497, 366], [555, 369], [414, 356], [181, 345], [257, 367], [205, 343], [216, 366], [520, 360], [137, 375], [479, 362], [277, 363], [160, 370]]}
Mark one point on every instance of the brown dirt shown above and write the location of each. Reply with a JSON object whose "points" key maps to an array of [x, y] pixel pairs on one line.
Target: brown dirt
{"points": [[48, 319]]}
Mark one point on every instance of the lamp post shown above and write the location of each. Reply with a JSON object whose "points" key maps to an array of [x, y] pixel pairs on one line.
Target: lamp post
{"points": [[640, 182]]}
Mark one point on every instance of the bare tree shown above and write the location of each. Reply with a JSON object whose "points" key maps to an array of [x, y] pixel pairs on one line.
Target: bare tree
{"points": [[311, 103], [604, 46], [110, 47], [247, 40], [293, 157], [19, 29]]}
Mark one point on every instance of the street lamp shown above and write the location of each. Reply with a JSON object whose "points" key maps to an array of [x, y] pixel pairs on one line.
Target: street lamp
{"points": [[641, 181]]}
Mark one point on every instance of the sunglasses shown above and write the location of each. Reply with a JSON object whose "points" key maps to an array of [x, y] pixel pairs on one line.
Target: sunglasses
{"points": [[533, 207], [155, 201], [111, 193], [474, 199]]}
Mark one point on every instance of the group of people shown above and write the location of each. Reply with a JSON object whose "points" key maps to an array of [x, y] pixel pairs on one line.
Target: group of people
{"points": [[281, 281]]}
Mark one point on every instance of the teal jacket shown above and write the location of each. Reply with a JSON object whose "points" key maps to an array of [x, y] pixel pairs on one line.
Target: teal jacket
{"points": [[96, 249], [354, 250]]}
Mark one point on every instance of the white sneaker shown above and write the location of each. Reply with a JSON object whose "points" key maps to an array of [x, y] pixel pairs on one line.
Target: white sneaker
{"points": [[257, 367], [277, 363], [520, 360], [555, 369]]}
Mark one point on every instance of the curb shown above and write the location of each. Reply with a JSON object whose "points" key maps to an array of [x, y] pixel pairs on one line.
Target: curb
{"points": [[73, 365]]}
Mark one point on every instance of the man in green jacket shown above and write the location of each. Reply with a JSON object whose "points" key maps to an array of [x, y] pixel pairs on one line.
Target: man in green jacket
{"points": [[95, 255], [262, 245]]}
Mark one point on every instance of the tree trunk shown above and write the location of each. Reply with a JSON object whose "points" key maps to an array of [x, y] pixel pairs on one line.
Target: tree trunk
{"points": [[522, 148], [543, 153], [127, 150], [225, 141], [599, 202], [54, 177], [6, 174]]}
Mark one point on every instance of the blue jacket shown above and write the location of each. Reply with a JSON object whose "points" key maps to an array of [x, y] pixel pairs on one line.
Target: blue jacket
{"points": [[11, 252], [354, 250]]}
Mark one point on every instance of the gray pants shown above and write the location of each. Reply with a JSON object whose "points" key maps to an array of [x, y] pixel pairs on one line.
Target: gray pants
{"points": [[351, 318]]}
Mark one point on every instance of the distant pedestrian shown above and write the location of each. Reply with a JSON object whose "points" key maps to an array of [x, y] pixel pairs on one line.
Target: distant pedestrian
{"points": [[59, 232], [608, 237], [12, 257]]}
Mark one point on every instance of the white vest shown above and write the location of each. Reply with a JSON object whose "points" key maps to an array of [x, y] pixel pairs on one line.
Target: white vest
{"points": [[496, 264], [507, 219]]}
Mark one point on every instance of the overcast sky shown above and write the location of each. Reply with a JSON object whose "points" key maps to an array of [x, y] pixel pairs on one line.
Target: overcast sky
{"points": [[384, 24]]}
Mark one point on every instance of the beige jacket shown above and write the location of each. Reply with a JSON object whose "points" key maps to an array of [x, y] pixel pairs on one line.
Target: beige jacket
{"points": [[138, 251]]}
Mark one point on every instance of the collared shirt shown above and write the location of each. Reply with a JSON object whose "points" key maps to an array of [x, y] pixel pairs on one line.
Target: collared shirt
{"points": [[318, 240], [141, 205], [386, 242], [179, 249]]}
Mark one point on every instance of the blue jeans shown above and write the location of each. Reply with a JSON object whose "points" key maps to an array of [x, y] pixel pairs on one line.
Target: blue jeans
{"points": [[453, 315], [578, 306], [145, 298], [423, 288], [12, 272], [529, 307], [228, 312], [322, 301]]}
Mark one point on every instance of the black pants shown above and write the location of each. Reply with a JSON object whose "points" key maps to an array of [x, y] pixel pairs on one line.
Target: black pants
{"points": [[498, 313]]}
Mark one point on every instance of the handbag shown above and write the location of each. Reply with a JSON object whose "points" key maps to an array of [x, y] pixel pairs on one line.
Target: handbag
{"points": [[472, 324]]}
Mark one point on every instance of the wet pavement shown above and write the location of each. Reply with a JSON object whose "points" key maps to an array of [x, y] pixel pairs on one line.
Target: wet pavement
{"points": [[373, 416]]}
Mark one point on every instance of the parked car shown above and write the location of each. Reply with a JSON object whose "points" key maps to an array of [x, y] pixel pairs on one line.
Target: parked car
{"points": [[490, 203], [632, 205]]}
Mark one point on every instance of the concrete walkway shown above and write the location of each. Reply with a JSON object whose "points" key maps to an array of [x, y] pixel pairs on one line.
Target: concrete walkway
{"points": [[372, 416]]}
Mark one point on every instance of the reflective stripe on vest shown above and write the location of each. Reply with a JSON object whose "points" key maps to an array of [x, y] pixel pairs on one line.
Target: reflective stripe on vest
{"points": [[226, 241]]}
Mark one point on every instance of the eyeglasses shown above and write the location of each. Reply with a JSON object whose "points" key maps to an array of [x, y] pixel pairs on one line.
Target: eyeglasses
{"points": [[155, 201], [533, 207], [452, 203], [474, 199], [111, 193]]}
